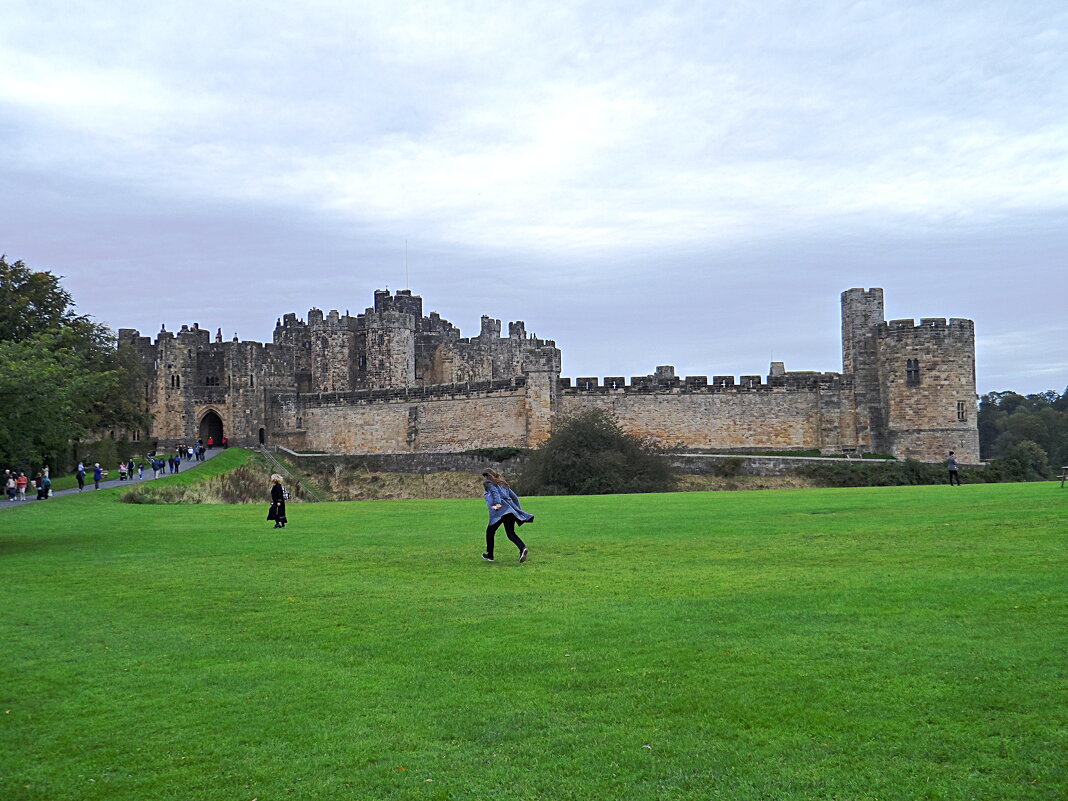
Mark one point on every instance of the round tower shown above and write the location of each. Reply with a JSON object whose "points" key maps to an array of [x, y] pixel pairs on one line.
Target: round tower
{"points": [[862, 315]]}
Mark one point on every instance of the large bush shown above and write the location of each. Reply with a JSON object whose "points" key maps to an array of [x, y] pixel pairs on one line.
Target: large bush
{"points": [[589, 454]]}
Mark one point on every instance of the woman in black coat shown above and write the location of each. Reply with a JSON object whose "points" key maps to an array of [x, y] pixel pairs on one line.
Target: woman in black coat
{"points": [[277, 512]]}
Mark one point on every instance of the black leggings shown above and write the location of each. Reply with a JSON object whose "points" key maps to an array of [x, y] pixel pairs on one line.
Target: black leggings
{"points": [[509, 521]]}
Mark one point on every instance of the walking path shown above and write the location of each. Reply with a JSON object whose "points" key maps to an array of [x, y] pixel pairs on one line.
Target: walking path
{"points": [[31, 495]]}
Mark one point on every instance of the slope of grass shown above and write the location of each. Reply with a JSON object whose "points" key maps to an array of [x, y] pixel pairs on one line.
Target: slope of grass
{"points": [[896, 643]]}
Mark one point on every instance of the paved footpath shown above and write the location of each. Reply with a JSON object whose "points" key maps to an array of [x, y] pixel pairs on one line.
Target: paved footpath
{"points": [[31, 494]]}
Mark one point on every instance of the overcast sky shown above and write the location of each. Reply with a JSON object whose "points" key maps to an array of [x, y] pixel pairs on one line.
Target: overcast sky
{"points": [[679, 183]]}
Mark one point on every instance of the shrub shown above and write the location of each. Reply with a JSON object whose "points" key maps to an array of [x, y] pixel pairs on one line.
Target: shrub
{"points": [[730, 467], [498, 454], [589, 454]]}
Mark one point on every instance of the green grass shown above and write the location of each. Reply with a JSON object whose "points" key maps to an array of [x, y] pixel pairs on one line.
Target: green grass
{"points": [[890, 643]]}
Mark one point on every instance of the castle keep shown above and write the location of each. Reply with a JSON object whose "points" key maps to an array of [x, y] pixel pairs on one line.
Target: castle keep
{"points": [[391, 380]]}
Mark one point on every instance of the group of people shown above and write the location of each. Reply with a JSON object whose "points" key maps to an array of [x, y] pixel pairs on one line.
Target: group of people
{"points": [[129, 469], [17, 484], [191, 453]]}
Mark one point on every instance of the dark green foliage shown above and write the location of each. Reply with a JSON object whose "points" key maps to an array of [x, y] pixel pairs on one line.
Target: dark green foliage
{"points": [[498, 454], [61, 378], [108, 452], [1007, 419], [1026, 462], [729, 467], [589, 454], [884, 474]]}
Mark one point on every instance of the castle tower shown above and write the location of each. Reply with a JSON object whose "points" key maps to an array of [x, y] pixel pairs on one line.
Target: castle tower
{"points": [[387, 360], [862, 314], [333, 351], [541, 368], [927, 375]]}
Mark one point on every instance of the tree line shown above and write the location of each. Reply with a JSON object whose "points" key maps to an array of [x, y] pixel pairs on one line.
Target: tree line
{"points": [[62, 379], [1030, 430]]}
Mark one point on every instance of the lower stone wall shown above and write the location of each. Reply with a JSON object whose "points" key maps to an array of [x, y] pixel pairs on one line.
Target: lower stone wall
{"points": [[447, 425], [418, 463], [687, 463], [758, 420], [705, 464], [935, 444]]}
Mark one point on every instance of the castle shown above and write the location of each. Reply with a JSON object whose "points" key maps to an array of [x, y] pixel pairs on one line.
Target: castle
{"points": [[391, 380]]}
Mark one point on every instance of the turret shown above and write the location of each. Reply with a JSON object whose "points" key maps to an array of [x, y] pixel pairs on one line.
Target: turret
{"points": [[862, 314]]}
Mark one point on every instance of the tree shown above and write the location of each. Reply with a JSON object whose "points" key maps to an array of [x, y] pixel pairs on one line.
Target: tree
{"points": [[30, 302], [1007, 419], [1033, 462], [61, 376], [590, 454]]}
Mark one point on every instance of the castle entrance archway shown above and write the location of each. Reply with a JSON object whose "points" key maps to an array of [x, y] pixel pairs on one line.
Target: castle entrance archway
{"points": [[211, 426]]}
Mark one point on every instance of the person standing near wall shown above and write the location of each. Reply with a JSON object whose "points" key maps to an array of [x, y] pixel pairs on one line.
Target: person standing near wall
{"points": [[279, 496], [954, 469], [504, 507]]}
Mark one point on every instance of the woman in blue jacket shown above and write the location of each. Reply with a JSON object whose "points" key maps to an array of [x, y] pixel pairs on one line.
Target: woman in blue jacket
{"points": [[504, 508]]}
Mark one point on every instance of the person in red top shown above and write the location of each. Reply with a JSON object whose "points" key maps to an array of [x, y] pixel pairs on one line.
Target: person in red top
{"points": [[22, 482], [211, 443]]}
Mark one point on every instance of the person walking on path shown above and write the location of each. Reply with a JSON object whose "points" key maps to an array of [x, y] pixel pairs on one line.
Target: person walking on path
{"points": [[81, 476], [98, 473], [12, 486], [954, 469], [21, 482], [504, 507], [279, 496]]}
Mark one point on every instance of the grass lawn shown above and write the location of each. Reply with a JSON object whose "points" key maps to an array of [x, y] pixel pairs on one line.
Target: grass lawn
{"points": [[890, 643]]}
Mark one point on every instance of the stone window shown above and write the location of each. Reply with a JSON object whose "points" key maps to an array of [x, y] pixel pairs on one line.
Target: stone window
{"points": [[962, 412], [251, 380], [912, 372]]}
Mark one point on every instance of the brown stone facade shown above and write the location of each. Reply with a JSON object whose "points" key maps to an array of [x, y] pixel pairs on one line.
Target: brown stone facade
{"points": [[392, 380]]}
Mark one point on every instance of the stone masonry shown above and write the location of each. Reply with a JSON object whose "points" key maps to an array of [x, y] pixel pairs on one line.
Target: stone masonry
{"points": [[391, 380]]}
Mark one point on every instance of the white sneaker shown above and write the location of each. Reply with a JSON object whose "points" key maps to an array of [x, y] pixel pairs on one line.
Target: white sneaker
{"points": [[523, 556]]}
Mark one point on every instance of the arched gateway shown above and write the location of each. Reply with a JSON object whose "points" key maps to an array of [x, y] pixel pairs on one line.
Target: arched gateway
{"points": [[211, 427]]}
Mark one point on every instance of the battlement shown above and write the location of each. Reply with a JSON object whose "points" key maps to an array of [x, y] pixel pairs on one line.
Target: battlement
{"points": [[403, 302], [909, 323], [691, 384]]}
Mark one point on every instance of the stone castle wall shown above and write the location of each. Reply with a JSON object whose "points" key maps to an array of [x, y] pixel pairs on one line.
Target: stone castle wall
{"points": [[448, 420], [391, 380]]}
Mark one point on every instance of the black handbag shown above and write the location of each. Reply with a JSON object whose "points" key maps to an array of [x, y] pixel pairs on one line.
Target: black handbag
{"points": [[272, 513]]}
